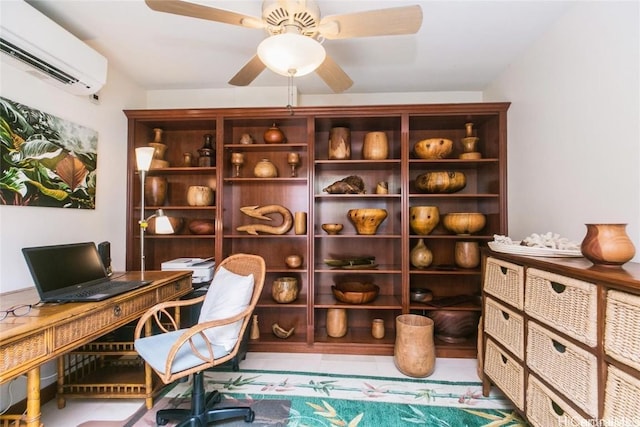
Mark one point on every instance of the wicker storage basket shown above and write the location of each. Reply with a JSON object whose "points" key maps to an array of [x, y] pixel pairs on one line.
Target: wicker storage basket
{"points": [[566, 304], [505, 326], [505, 373], [621, 338], [505, 281], [621, 402], [546, 409], [569, 369]]}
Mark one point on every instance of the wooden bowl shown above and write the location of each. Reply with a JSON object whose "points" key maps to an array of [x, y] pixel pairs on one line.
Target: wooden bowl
{"points": [[332, 228], [285, 290], [367, 220], [355, 292], [420, 295], [202, 226], [454, 326], [464, 223], [433, 148], [441, 182]]}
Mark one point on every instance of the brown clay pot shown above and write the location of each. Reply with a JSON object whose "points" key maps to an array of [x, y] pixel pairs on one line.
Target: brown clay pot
{"points": [[336, 322], [375, 146], [423, 219], [441, 182], [607, 244], [368, 220], [274, 135], [155, 190], [414, 352]]}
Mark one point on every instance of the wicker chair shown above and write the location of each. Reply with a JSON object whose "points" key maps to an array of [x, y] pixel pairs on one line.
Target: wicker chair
{"points": [[175, 353]]}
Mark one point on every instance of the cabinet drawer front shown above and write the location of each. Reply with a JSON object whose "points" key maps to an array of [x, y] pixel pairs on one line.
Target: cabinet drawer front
{"points": [[546, 409], [175, 289], [505, 326], [22, 351], [621, 402], [505, 372], [505, 281], [97, 321], [565, 304], [621, 339], [569, 369]]}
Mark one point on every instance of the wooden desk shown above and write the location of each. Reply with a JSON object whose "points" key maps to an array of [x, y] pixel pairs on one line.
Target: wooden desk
{"points": [[52, 330]]}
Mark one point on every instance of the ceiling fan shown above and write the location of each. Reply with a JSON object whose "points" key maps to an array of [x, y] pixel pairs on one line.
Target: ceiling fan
{"points": [[298, 23]]}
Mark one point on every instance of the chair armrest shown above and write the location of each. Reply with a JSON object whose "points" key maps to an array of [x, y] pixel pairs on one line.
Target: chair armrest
{"points": [[161, 315]]}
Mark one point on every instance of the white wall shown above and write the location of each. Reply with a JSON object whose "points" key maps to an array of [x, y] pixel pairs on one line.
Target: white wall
{"points": [[574, 124], [22, 226]]}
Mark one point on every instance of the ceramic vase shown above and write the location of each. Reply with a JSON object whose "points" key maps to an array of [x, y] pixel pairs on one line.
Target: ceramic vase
{"points": [[467, 254], [155, 190], [421, 256], [423, 219], [414, 351], [265, 169], [336, 322], [274, 135], [340, 144], [375, 146], [607, 244]]}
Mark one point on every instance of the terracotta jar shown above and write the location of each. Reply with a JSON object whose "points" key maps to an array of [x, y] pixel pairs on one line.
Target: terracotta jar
{"points": [[336, 322], [607, 244], [414, 352], [375, 146], [274, 135], [265, 169], [155, 190]]}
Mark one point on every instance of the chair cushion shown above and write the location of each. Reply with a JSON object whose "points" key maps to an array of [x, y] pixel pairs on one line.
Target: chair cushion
{"points": [[154, 351], [228, 295]]}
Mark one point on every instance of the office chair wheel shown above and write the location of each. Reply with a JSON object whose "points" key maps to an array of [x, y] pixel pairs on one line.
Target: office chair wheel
{"points": [[250, 417]]}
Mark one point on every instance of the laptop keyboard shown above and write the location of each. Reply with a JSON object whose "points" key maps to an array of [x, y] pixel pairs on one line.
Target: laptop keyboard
{"points": [[112, 288]]}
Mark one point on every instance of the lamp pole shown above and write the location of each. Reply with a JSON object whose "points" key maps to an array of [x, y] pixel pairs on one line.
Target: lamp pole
{"points": [[144, 156]]}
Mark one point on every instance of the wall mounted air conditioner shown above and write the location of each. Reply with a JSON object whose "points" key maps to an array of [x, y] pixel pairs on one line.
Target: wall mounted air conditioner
{"points": [[39, 46]]}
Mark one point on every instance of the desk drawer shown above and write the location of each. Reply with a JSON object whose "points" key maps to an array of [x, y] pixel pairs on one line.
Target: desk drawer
{"points": [[504, 281], [621, 338], [21, 352], [96, 323], [505, 372], [565, 304], [174, 290], [505, 326], [569, 369], [546, 409]]}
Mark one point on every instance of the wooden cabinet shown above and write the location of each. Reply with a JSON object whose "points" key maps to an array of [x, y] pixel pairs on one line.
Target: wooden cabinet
{"points": [[561, 339], [307, 131]]}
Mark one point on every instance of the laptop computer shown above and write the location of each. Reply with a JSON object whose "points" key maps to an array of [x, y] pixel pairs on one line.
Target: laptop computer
{"points": [[73, 273]]}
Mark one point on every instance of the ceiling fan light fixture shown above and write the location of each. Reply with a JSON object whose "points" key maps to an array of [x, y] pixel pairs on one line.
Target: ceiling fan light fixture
{"points": [[289, 53]]}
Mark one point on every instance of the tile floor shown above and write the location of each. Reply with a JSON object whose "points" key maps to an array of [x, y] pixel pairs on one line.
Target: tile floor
{"points": [[78, 411]]}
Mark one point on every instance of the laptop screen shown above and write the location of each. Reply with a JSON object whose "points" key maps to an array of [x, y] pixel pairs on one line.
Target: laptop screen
{"points": [[59, 266]]}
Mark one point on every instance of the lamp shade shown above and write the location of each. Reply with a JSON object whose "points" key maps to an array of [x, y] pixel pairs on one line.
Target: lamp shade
{"points": [[144, 155], [163, 225], [291, 53]]}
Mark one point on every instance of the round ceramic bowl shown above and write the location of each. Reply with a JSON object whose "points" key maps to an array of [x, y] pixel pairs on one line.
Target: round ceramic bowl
{"points": [[332, 228], [421, 295], [355, 292], [464, 223]]}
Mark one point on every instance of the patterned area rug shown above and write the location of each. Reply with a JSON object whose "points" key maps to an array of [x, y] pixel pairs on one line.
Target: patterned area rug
{"points": [[299, 399]]}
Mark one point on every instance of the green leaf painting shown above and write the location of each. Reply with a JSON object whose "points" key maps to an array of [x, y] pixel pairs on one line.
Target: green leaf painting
{"points": [[45, 160]]}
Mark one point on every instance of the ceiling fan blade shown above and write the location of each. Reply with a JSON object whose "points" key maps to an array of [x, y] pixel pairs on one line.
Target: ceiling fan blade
{"points": [[382, 22], [193, 10], [248, 73], [334, 76]]}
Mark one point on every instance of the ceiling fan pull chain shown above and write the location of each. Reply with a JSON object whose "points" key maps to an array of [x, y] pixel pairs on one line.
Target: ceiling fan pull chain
{"points": [[292, 72]]}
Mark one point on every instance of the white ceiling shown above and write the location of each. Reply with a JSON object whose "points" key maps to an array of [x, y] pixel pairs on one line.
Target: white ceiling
{"points": [[461, 46]]}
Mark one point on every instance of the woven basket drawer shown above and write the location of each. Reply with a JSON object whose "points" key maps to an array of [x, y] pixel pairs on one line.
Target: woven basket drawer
{"points": [[504, 281], [621, 402], [22, 351], [505, 326], [546, 409], [505, 373], [565, 304], [569, 369], [622, 323], [173, 290]]}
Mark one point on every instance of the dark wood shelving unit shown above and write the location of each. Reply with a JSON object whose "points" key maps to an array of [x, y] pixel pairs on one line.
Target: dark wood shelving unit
{"points": [[307, 131]]}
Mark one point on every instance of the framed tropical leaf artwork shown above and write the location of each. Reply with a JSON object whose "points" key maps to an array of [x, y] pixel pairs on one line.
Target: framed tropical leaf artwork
{"points": [[45, 160]]}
